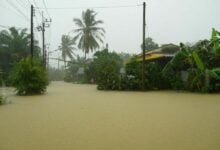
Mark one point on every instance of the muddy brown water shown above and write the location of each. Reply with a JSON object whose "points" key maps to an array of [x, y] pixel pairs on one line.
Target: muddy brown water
{"points": [[78, 117]]}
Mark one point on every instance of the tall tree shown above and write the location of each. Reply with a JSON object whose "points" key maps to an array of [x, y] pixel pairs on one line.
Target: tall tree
{"points": [[67, 48], [88, 33], [14, 45], [150, 44]]}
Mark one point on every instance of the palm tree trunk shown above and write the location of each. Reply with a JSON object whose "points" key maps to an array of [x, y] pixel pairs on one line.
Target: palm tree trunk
{"points": [[85, 55], [64, 63]]}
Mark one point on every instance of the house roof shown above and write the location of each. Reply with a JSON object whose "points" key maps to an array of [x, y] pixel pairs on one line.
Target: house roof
{"points": [[166, 51]]}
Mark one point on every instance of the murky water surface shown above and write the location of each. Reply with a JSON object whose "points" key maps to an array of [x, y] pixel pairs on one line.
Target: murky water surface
{"points": [[78, 117]]}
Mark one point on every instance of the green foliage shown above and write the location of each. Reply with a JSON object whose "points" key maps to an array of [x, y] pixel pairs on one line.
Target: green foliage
{"points": [[172, 71], [67, 47], [3, 100], [196, 80], [215, 40], [154, 76], [149, 44], [72, 73], [198, 61], [88, 34], [106, 66], [14, 46], [133, 78], [29, 77], [194, 68], [201, 61]]}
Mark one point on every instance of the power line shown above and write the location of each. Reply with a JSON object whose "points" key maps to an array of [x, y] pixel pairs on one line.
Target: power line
{"points": [[18, 10], [22, 4], [45, 7], [7, 27], [96, 7], [35, 3], [29, 2]]}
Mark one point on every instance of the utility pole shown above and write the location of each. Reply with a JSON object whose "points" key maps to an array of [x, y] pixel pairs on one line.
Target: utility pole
{"points": [[58, 63], [143, 59], [32, 31], [45, 24], [43, 40]]}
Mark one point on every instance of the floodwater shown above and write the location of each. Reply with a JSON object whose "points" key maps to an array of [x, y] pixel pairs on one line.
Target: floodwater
{"points": [[79, 117]]}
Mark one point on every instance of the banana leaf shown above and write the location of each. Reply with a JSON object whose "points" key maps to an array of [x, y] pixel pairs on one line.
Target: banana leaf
{"points": [[215, 41], [215, 73], [198, 61]]}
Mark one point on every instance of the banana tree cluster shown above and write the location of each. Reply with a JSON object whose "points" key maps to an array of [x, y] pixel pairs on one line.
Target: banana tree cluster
{"points": [[202, 62]]}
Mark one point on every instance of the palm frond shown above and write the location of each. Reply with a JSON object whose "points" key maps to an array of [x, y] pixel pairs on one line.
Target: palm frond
{"points": [[95, 23], [78, 22]]}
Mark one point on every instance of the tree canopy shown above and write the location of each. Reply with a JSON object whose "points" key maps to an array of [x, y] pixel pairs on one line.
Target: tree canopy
{"points": [[88, 33], [149, 44], [67, 47], [14, 45]]}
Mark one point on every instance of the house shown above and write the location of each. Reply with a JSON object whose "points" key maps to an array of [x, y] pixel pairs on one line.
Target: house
{"points": [[164, 54]]}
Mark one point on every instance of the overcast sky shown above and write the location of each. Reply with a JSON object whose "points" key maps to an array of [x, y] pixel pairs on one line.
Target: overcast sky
{"points": [[168, 21]]}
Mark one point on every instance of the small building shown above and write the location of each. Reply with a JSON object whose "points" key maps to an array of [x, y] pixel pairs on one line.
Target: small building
{"points": [[163, 54]]}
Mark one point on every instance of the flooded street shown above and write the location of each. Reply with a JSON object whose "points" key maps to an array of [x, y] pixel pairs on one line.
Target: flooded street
{"points": [[79, 117]]}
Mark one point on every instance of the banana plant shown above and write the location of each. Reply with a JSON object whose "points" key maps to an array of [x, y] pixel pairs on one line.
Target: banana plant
{"points": [[215, 41], [213, 73]]}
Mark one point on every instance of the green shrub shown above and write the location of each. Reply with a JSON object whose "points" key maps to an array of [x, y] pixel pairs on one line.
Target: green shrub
{"points": [[29, 77], [153, 77], [2, 100], [104, 70], [133, 78]]}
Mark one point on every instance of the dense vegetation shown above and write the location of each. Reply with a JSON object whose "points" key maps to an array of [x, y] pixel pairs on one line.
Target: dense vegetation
{"points": [[106, 69], [14, 46], [17, 68], [1, 100], [29, 77], [194, 68], [75, 70], [201, 64]]}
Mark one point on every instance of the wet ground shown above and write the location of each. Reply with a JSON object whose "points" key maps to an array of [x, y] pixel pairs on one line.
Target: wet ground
{"points": [[78, 117]]}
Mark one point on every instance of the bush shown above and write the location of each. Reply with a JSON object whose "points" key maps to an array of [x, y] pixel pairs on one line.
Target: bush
{"points": [[133, 78], [2, 100], [29, 77], [153, 77], [108, 77], [106, 66]]}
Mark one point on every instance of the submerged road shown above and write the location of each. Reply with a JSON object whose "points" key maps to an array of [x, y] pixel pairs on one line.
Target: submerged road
{"points": [[79, 117]]}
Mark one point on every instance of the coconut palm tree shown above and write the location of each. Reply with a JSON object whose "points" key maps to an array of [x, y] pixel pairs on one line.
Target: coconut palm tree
{"points": [[15, 45], [88, 33], [67, 48]]}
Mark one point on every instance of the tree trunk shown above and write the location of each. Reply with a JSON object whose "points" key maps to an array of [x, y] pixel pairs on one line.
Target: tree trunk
{"points": [[85, 55], [65, 64]]}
